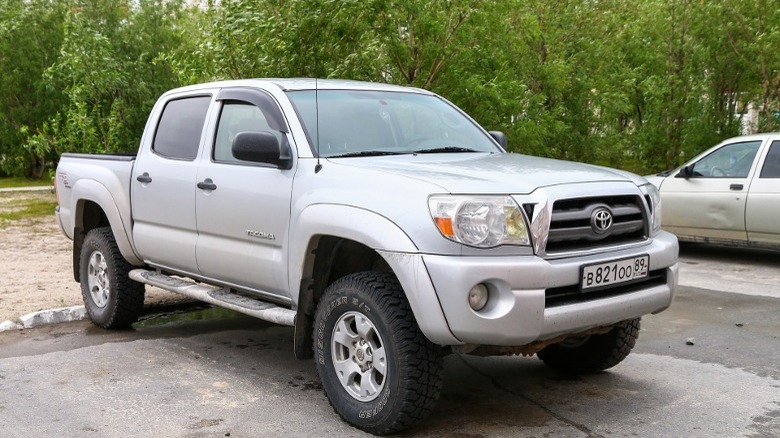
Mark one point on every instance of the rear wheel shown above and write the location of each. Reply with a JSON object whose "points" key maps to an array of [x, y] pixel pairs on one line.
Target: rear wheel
{"points": [[593, 353], [111, 299], [378, 370]]}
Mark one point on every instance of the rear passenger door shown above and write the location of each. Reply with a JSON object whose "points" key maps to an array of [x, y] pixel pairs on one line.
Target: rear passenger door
{"points": [[163, 185], [243, 208], [762, 213]]}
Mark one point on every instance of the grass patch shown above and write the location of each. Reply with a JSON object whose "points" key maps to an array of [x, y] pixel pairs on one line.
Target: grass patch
{"points": [[13, 182], [27, 209]]}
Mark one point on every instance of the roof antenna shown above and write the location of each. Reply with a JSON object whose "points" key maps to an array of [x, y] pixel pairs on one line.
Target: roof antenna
{"points": [[317, 167]]}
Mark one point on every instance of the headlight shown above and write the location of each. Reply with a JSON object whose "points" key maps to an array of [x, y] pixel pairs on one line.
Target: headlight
{"points": [[654, 200], [480, 221]]}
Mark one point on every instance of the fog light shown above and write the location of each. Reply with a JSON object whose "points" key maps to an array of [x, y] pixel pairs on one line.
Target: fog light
{"points": [[478, 297]]}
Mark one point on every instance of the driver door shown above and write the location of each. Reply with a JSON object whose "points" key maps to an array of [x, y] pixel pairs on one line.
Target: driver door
{"points": [[710, 203], [243, 208]]}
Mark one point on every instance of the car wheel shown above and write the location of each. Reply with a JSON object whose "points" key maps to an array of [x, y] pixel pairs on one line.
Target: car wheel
{"points": [[595, 352], [111, 299], [378, 370]]}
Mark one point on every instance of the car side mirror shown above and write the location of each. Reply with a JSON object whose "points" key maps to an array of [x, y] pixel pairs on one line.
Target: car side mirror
{"points": [[686, 172], [499, 137], [262, 147]]}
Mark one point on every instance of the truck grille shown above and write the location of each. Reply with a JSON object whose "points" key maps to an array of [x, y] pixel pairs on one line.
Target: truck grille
{"points": [[588, 223]]}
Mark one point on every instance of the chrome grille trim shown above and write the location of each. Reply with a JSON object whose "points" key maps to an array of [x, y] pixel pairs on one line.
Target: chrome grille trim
{"points": [[560, 222], [570, 224]]}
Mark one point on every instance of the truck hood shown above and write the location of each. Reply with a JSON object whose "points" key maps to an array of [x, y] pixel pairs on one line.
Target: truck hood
{"points": [[489, 173]]}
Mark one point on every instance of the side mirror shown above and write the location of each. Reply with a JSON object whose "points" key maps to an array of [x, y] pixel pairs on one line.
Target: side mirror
{"points": [[262, 147], [686, 172], [499, 137]]}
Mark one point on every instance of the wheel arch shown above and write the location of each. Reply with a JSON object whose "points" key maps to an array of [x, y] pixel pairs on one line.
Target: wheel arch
{"points": [[95, 207], [331, 241]]}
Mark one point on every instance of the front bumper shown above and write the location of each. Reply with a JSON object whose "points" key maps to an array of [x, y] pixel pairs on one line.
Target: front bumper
{"points": [[517, 314]]}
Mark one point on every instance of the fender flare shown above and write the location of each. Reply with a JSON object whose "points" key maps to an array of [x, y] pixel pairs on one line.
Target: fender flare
{"points": [[384, 237], [91, 190]]}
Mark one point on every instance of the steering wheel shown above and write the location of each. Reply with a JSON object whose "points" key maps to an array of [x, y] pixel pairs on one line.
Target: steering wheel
{"points": [[717, 171]]}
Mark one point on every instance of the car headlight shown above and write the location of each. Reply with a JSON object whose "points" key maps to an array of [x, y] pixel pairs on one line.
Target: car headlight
{"points": [[480, 221], [653, 197]]}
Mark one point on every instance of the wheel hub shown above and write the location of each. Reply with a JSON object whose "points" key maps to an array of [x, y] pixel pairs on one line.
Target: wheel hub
{"points": [[363, 355], [358, 356], [98, 279]]}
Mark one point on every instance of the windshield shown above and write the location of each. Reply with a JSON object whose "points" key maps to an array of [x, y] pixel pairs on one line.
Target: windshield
{"points": [[362, 123]]}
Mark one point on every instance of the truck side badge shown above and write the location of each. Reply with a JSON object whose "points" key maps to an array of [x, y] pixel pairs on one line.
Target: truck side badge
{"points": [[260, 235]]}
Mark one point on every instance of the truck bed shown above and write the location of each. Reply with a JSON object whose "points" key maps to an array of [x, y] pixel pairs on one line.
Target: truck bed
{"points": [[79, 179]]}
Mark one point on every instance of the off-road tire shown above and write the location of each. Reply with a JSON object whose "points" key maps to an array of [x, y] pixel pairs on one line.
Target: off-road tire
{"points": [[596, 352], [409, 382], [111, 299]]}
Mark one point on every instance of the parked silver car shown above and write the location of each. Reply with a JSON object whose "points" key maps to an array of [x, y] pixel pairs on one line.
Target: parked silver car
{"points": [[381, 222], [730, 194]]}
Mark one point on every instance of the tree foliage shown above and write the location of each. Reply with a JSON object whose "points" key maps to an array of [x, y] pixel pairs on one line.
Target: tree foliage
{"points": [[637, 85], [27, 101]]}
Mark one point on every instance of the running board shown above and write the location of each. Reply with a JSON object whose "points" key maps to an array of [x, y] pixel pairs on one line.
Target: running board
{"points": [[218, 296]]}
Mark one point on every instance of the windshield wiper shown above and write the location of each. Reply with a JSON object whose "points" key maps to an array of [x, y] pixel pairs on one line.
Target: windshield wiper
{"points": [[365, 154], [444, 150], [665, 172]]}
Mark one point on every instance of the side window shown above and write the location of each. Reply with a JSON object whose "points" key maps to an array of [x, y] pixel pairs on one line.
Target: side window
{"points": [[180, 127], [771, 167], [237, 117], [731, 161]]}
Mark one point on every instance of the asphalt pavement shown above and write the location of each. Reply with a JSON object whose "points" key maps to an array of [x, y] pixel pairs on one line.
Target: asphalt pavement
{"points": [[706, 367]]}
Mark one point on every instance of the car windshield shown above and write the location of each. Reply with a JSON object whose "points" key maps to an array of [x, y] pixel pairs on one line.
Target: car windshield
{"points": [[355, 123]]}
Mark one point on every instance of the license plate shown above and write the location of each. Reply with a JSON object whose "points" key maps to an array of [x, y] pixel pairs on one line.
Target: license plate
{"points": [[616, 272]]}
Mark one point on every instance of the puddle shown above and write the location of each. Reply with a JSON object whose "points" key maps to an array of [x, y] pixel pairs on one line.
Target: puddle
{"points": [[196, 312]]}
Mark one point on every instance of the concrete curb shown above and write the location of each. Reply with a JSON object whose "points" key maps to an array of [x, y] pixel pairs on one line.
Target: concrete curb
{"points": [[28, 189], [46, 317]]}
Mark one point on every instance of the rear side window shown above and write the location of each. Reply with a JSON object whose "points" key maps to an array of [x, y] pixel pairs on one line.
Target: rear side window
{"points": [[771, 167], [180, 127]]}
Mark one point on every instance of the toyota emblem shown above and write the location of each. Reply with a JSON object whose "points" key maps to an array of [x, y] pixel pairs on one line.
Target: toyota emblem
{"points": [[601, 220]]}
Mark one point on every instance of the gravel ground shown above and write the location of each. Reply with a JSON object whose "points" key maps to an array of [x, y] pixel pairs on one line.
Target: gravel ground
{"points": [[36, 270]]}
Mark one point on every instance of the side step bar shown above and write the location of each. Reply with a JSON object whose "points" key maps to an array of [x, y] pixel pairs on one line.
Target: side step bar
{"points": [[218, 296]]}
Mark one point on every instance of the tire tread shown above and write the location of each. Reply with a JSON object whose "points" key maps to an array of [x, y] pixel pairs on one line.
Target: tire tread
{"points": [[598, 353], [129, 294], [422, 367]]}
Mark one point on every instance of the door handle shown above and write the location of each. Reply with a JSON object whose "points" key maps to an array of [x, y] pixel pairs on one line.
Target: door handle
{"points": [[144, 178], [736, 187], [207, 184]]}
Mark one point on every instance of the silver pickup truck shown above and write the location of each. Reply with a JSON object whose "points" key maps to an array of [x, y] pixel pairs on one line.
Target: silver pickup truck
{"points": [[381, 222]]}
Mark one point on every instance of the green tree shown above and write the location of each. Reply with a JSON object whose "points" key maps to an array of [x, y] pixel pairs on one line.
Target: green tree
{"points": [[637, 85], [749, 32], [112, 70], [30, 38]]}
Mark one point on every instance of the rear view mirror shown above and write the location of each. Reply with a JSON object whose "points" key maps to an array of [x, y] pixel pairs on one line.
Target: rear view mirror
{"points": [[262, 147], [499, 137], [686, 172]]}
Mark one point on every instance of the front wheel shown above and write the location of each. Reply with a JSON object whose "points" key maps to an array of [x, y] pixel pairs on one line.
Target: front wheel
{"points": [[595, 352], [378, 370], [111, 298]]}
